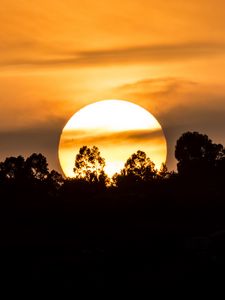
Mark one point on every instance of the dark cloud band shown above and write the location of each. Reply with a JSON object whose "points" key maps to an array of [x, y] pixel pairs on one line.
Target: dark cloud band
{"points": [[149, 53]]}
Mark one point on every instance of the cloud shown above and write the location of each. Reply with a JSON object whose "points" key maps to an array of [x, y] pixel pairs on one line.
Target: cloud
{"points": [[157, 85], [158, 95], [72, 138], [145, 54]]}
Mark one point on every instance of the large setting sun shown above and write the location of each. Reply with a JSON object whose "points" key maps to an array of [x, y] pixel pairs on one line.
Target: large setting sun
{"points": [[118, 128]]}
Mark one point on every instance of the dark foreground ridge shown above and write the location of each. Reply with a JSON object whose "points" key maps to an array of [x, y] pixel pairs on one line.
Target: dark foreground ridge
{"points": [[145, 227]]}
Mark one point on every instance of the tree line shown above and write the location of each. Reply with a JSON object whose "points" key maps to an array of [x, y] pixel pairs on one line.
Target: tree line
{"points": [[138, 228], [197, 156]]}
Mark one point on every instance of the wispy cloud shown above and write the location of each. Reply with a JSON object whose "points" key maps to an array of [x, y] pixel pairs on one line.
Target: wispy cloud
{"points": [[144, 54], [73, 138], [159, 95]]}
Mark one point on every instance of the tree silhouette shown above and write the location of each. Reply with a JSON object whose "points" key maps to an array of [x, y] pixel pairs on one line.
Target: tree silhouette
{"points": [[138, 168], [197, 154], [89, 165], [12, 168], [36, 167]]}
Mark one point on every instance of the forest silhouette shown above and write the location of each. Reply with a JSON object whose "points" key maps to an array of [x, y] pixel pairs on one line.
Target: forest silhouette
{"points": [[141, 227]]}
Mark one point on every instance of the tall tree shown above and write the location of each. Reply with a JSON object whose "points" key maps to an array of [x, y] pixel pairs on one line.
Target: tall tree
{"points": [[12, 168], [36, 167], [197, 154], [138, 168], [89, 165]]}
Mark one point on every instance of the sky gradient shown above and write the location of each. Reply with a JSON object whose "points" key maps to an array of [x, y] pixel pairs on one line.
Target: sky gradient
{"points": [[57, 56]]}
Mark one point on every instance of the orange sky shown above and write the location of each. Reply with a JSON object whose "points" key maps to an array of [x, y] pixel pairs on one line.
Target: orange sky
{"points": [[57, 56]]}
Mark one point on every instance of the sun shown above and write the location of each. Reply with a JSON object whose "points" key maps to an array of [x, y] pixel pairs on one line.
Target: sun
{"points": [[118, 128]]}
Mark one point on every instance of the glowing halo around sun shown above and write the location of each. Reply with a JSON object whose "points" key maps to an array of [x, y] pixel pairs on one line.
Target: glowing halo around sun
{"points": [[118, 128]]}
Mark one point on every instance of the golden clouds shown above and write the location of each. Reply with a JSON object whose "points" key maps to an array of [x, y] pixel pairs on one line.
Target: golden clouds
{"points": [[133, 55], [101, 32]]}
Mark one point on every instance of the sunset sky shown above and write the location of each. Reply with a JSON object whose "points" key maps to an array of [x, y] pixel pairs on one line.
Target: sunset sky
{"points": [[57, 56]]}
